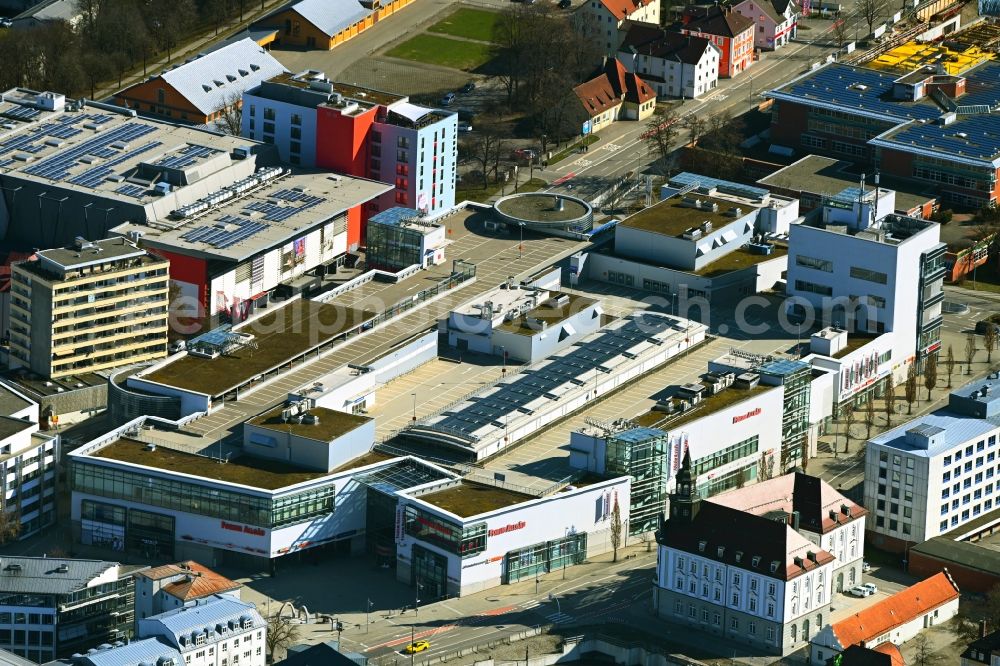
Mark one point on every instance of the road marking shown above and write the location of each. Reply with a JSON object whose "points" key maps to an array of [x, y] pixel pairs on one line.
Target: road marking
{"points": [[559, 618], [416, 636], [611, 146], [563, 179], [583, 162]]}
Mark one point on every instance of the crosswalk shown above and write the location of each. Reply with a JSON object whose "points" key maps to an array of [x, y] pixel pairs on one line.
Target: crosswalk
{"points": [[533, 603], [559, 618]]}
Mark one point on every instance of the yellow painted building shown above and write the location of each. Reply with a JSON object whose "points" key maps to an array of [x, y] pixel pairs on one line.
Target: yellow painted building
{"points": [[88, 307], [912, 56]]}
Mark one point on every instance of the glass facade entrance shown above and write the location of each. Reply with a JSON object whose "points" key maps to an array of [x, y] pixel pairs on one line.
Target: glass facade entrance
{"points": [[642, 455], [544, 557], [151, 534], [429, 575]]}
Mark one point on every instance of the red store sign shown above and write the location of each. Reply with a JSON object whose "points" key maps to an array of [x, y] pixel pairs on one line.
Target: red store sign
{"points": [[245, 529], [744, 417], [507, 528]]}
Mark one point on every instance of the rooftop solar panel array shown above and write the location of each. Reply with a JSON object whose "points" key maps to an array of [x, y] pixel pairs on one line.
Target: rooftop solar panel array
{"points": [[221, 234], [748, 191], [23, 113], [981, 140], [131, 190], [982, 86], [57, 166], [515, 395], [857, 88], [275, 213], [186, 156], [96, 175]]}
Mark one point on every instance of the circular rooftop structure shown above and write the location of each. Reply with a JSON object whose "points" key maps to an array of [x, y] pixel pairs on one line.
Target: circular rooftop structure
{"points": [[545, 212]]}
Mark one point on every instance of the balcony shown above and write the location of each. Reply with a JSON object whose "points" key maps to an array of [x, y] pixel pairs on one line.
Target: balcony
{"points": [[933, 300]]}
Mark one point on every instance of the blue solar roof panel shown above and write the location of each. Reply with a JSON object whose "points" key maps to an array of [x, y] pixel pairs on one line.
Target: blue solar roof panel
{"points": [[21, 113], [186, 156], [981, 140], [131, 190], [688, 178], [58, 165], [94, 176], [222, 234], [860, 89]]}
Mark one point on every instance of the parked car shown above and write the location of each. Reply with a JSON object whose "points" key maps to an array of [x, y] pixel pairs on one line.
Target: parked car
{"points": [[464, 126], [871, 587], [417, 646], [859, 591], [983, 325], [468, 87], [865, 567], [448, 99]]}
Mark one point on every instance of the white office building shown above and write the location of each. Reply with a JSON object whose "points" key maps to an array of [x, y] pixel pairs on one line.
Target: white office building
{"points": [[855, 265], [939, 473]]}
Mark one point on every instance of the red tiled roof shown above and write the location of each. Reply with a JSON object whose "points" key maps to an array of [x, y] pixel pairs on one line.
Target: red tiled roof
{"points": [[621, 9], [197, 581], [898, 609], [612, 86], [893, 652]]}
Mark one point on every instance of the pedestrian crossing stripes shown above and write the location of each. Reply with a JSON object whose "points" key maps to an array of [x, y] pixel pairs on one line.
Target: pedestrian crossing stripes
{"points": [[559, 618], [528, 605]]}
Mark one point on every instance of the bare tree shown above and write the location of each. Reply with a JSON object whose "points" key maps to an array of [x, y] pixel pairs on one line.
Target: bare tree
{"points": [[231, 115], [281, 634], [949, 364], [869, 416], [910, 388], [840, 33], [850, 416], [871, 11], [930, 374], [890, 398], [696, 127], [484, 148], [765, 467], [616, 529], [660, 134], [990, 341], [970, 352], [923, 652]]}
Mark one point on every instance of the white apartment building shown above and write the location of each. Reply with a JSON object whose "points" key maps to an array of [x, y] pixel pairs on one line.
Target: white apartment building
{"points": [[749, 566], [171, 586], [28, 462], [675, 65], [937, 474], [601, 21], [218, 631], [854, 264]]}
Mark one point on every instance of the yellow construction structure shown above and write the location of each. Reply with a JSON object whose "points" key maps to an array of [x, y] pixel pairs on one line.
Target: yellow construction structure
{"points": [[912, 56]]}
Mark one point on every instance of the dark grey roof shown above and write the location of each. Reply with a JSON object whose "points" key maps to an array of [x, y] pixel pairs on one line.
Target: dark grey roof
{"points": [[322, 654], [962, 553], [43, 575], [985, 646], [11, 402], [10, 426]]}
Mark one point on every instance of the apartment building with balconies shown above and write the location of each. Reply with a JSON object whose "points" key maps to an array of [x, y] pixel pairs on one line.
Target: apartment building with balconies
{"points": [[87, 307]]}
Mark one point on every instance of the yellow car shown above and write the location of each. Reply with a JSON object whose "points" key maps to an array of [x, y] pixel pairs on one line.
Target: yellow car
{"points": [[418, 646]]}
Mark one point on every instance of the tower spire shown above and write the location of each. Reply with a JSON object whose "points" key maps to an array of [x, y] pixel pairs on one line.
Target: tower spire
{"points": [[684, 501]]}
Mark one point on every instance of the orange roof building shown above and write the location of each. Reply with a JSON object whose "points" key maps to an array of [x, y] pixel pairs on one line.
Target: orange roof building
{"points": [[164, 588], [895, 619], [615, 94]]}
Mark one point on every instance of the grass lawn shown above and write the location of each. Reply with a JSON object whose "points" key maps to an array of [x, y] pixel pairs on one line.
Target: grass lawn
{"points": [[468, 23], [480, 195], [435, 50], [585, 141], [987, 278]]}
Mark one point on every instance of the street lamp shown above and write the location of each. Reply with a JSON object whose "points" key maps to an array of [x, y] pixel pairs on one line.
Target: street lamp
{"points": [[414, 407], [503, 354], [416, 599], [368, 610], [520, 239]]}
